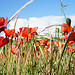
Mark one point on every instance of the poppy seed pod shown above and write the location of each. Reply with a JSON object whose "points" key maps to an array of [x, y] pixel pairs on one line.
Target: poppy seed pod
{"points": [[68, 21]]}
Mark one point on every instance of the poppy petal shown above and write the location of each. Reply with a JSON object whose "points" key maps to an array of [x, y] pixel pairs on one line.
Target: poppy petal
{"points": [[14, 49], [9, 33], [2, 20], [3, 23], [71, 42], [65, 37], [34, 29], [4, 41]]}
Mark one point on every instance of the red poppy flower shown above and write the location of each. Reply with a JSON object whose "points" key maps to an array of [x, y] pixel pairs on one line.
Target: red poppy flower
{"points": [[14, 49], [45, 43], [17, 40], [33, 54], [9, 33], [30, 35], [30, 32], [37, 44], [1, 57], [71, 42], [17, 34], [42, 42], [65, 30], [26, 30], [2, 20], [3, 41], [65, 37], [71, 49], [57, 43], [48, 43], [62, 45], [72, 38], [47, 49], [3, 23]]}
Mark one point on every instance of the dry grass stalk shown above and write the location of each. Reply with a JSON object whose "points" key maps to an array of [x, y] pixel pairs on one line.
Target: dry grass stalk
{"points": [[51, 26], [20, 9], [14, 28], [51, 63], [9, 51], [52, 53], [13, 65], [26, 55]]}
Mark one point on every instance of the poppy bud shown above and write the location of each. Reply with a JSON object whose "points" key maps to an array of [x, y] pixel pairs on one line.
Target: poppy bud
{"points": [[68, 21]]}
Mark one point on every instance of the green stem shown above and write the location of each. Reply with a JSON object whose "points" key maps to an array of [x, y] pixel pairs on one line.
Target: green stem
{"points": [[62, 9]]}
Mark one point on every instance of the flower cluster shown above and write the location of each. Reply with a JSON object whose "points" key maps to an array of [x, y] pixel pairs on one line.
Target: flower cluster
{"points": [[24, 32], [44, 44], [3, 26], [66, 29]]}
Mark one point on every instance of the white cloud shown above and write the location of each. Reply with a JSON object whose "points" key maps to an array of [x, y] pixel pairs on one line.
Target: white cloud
{"points": [[40, 22], [20, 23]]}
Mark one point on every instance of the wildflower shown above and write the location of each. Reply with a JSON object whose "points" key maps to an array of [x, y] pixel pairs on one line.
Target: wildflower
{"points": [[42, 42], [71, 49], [33, 54], [48, 49], [48, 43], [45, 43], [37, 44], [48, 70], [14, 49], [62, 45], [1, 57], [28, 33], [72, 38], [9, 33], [70, 42], [57, 43], [65, 30], [65, 37], [3, 41], [3, 23], [17, 41], [2, 20]]}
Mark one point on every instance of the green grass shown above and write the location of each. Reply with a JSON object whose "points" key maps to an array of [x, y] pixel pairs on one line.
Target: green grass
{"points": [[24, 63]]}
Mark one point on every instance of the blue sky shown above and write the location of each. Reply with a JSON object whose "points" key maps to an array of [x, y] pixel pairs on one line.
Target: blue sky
{"points": [[38, 8], [40, 13]]}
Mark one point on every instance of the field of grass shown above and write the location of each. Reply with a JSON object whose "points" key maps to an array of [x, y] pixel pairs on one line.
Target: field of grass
{"points": [[29, 53]]}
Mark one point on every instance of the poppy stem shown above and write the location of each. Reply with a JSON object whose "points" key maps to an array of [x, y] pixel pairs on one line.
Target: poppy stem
{"points": [[64, 49], [58, 34], [62, 8]]}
